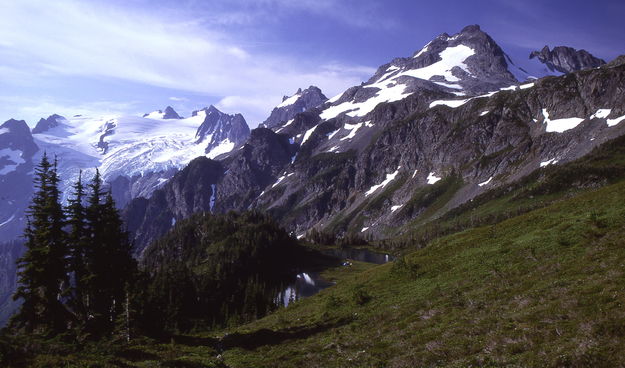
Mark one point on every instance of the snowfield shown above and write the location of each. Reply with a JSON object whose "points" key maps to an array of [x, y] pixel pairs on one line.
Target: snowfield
{"points": [[125, 145]]}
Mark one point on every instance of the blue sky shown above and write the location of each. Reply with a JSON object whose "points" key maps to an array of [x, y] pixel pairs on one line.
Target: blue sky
{"points": [[134, 56]]}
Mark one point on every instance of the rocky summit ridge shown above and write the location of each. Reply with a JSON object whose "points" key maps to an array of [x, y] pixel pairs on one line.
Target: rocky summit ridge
{"points": [[452, 120]]}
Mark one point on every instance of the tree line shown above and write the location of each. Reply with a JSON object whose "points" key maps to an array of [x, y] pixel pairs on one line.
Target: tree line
{"points": [[78, 276], [77, 268]]}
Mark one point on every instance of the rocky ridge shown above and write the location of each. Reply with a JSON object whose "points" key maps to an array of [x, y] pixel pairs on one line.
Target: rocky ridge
{"points": [[451, 121], [566, 59], [301, 101]]}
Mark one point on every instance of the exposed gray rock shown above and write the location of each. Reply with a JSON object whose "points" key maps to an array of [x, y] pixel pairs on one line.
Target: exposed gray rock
{"points": [[566, 59], [46, 124], [17, 149], [169, 113], [219, 127], [487, 67], [488, 140], [302, 101]]}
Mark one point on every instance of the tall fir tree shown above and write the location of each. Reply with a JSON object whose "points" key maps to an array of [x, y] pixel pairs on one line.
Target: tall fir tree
{"points": [[108, 260], [77, 241], [43, 282]]}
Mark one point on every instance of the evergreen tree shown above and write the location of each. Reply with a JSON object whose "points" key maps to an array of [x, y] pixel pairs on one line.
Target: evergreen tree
{"points": [[42, 274], [77, 240], [108, 260]]}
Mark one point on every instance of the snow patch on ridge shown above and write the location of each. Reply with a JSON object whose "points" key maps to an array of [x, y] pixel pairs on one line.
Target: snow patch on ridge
{"points": [[389, 178], [7, 221], [358, 109], [289, 101], [451, 57], [486, 182], [213, 195], [14, 156], [451, 103], [548, 162], [353, 128], [432, 178], [560, 125], [613, 122], [601, 114]]}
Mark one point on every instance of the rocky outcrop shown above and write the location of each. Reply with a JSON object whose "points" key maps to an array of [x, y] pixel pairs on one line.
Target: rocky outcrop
{"points": [[169, 113], [566, 59], [190, 191], [218, 128], [47, 124], [211, 186], [300, 102], [17, 149]]}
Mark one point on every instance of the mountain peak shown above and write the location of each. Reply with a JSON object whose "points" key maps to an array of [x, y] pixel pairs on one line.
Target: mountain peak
{"points": [[471, 29], [468, 62], [169, 113], [219, 128], [301, 101], [47, 124], [566, 59]]}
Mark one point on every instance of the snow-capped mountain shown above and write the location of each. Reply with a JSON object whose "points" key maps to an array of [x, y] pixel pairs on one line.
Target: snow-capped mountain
{"points": [[135, 155], [453, 117], [220, 132], [292, 105], [169, 113]]}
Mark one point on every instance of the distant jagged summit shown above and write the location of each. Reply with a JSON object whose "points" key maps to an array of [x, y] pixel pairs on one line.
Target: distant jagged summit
{"points": [[301, 101], [47, 124], [221, 129], [566, 59], [169, 113]]}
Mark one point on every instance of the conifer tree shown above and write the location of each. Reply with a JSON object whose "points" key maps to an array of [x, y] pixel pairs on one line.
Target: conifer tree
{"points": [[77, 240], [108, 259], [42, 272]]}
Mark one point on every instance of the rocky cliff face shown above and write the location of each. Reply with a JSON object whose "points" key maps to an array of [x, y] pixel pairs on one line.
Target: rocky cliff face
{"points": [[566, 59], [17, 149], [234, 182], [219, 129], [301, 101], [9, 253], [44, 125], [438, 128]]}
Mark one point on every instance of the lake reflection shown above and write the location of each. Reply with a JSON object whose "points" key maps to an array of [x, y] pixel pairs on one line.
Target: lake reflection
{"points": [[310, 283]]}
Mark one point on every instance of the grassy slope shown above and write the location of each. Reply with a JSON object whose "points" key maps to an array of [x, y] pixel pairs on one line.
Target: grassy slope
{"points": [[541, 289], [544, 288]]}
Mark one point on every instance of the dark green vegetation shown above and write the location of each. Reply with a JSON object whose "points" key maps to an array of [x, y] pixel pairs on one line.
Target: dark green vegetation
{"points": [[542, 289], [77, 265], [221, 270], [85, 299]]}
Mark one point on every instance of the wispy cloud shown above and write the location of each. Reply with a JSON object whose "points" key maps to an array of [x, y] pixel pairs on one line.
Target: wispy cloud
{"points": [[355, 13], [31, 109], [72, 38]]}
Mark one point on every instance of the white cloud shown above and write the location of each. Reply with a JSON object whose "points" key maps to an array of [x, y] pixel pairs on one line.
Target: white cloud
{"points": [[31, 110], [86, 39]]}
